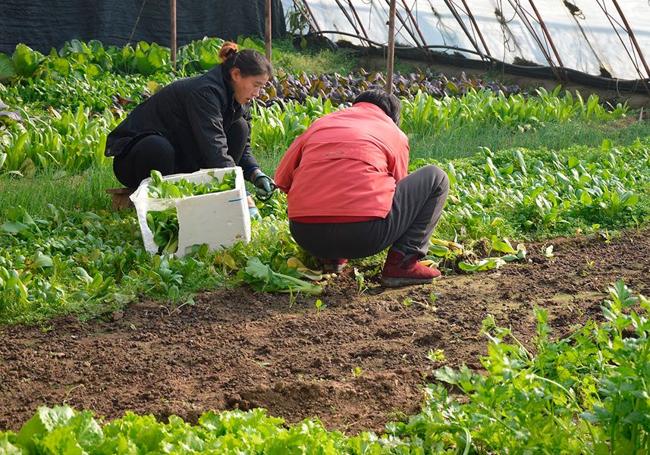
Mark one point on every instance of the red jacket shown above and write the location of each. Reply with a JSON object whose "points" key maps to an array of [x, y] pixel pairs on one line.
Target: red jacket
{"points": [[345, 165]]}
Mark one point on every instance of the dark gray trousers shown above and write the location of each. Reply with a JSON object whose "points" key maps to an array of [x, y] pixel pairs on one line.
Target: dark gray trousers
{"points": [[417, 205]]}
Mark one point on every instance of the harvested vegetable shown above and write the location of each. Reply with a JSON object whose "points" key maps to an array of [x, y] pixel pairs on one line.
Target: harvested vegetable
{"points": [[165, 189], [164, 223]]}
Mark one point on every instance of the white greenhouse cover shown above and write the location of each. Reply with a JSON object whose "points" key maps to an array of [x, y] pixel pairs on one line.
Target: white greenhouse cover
{"points": [[594, 37]]}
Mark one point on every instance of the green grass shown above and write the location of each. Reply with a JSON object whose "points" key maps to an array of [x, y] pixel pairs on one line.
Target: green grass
{"points": [[85, 191], [466, 141], [342, 61], [287, 57]]}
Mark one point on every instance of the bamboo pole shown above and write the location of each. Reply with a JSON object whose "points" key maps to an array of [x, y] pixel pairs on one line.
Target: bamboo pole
{"points": [[348, 17], [391, 47], [522, 15], [268, 20], [380, 45], [311, 14], [173, 32]]}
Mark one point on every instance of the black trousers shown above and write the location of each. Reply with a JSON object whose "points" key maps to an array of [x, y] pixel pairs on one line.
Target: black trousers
{"points": [[417, 206], [155, 152]]}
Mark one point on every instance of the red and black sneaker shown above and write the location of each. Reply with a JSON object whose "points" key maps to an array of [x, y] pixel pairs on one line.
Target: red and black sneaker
{"points": [[333, 265], [400, 270]]}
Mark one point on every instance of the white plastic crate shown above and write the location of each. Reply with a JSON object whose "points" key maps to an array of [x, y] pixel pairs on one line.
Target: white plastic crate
{"points": [[216, 219]]}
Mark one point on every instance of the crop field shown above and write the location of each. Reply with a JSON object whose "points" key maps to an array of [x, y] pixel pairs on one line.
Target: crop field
{"points": [[534, 341]]}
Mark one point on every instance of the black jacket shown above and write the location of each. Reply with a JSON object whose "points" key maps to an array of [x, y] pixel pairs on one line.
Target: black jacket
{"points": [[194, 114]]}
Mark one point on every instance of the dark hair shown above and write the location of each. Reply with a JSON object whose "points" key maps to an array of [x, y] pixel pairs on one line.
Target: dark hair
{"points": [[388, 103], [248, 61]]}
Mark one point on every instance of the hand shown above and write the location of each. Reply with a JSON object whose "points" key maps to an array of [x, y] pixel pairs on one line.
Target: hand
{"points": [[264, 185], [254, 213], [252, 209]]}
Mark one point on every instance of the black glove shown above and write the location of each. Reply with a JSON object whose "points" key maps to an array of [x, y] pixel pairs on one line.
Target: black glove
{"points": [[264, 185]]}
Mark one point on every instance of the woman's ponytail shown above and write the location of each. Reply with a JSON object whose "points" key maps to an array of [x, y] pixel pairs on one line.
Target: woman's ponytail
{"points": [[249, 62], [228, 50]]}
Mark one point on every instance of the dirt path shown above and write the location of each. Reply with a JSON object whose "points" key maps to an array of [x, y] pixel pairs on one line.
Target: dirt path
{"points": [[236, 348]]}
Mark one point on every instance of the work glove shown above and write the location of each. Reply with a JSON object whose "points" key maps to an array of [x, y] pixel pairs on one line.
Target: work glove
{"points": [[264, 185]]}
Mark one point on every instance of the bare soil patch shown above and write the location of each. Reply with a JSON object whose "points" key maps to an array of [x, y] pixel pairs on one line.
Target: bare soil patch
{"points": [[239, 349]]}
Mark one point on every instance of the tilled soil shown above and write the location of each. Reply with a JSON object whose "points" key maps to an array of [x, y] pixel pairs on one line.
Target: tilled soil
{"points": [[357, 364]]}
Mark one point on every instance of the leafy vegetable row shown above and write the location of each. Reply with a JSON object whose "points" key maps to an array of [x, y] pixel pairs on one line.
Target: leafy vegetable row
{"points": [[91, 263], [74, 140], [89, 63]]}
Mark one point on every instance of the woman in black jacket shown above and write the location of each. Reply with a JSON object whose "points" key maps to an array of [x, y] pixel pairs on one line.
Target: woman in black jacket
{"points": [[195, 123]]}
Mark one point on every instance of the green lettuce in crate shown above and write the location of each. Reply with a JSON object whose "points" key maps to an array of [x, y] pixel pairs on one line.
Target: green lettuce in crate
{"points": [[164, 223], [164, 189], [164, 226]]}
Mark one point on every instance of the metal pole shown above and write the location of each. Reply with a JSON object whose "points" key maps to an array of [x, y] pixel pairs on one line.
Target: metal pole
{"points": [[391, 47], [415, 23], [632, 37], [348, 17], [267, 30], [173, 32], [356, 16], [405, 26], [548, 36], [311, 14], [531, 30], [475, 24], [464, 27]]}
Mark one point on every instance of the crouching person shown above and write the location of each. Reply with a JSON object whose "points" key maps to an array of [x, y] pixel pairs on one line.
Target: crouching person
{"points": [[350, 194]]}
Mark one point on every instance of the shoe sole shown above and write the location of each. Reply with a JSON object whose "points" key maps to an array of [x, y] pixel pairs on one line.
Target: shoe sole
{"points": [[401, 282]]}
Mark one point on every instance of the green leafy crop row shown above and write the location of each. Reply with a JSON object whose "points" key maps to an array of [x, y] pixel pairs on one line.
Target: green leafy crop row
{"points": [[89, 263], [74, 139], [427, 115], [70, 140], [48, 78], [93, 58], [533, 193]]}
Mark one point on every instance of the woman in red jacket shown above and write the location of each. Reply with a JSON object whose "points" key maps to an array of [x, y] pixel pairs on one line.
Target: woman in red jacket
{"points": [[350, 194]]}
